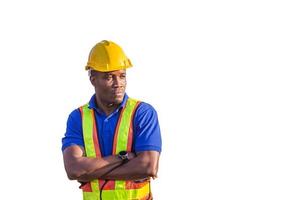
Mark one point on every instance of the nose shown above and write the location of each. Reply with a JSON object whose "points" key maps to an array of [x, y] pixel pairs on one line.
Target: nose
{"points": [[118, 82]]}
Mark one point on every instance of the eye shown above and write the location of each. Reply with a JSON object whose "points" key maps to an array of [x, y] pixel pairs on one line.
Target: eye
{"points": [[123, 76], [108, 77]]}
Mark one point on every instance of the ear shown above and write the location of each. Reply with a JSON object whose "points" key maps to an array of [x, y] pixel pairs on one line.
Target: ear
{"points": [[93, 80]]}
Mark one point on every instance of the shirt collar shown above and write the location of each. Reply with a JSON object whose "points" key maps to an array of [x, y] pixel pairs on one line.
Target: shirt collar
{"points": [[93, 105]]}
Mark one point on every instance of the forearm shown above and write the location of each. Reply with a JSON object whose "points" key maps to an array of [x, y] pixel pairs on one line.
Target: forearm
{"points": [[139, 167], [133, 170], [77, 165], [98, 173], [87, 165]]}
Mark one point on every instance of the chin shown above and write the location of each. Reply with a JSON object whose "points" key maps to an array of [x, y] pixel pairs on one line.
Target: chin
{"points": [[118, 99]]}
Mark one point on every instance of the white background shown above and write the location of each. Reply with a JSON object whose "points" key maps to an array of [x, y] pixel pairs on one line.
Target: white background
{"points": [[222, 75]]}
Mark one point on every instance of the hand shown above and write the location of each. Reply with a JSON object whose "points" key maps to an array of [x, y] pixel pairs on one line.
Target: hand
{"points": [[131, 155], [154, 177]]}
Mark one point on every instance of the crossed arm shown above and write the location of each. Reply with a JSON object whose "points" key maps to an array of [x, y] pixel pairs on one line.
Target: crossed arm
{"points": [[84, 169]]}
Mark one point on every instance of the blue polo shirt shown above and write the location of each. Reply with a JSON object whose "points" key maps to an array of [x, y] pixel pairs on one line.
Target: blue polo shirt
{"points": [[146, 129]]}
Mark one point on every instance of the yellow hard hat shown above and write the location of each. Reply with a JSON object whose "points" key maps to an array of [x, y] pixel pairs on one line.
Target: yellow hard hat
{"points": [[107, 56]]}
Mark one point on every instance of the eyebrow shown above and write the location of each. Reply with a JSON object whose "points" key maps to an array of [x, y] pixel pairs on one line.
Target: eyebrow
{"points": [[110, 73]]}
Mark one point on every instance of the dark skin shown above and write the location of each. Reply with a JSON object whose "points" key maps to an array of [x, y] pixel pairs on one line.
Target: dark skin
{"points": [[110, 90]]}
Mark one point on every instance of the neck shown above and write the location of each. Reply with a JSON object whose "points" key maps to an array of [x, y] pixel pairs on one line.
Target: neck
{"points": [[107, 108]]}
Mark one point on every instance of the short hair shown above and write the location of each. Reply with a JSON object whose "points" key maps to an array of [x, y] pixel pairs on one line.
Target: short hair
{"points": [[92, 72]]}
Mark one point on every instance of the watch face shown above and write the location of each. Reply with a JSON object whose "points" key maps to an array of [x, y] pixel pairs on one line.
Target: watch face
{"points": [[123, 153]]}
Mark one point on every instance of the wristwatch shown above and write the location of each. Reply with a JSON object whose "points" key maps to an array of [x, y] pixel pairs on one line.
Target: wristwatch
{"points": [[123, 155]]}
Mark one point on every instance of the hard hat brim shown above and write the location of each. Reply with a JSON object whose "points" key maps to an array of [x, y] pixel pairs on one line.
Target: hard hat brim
{"points": [[107, 69]]}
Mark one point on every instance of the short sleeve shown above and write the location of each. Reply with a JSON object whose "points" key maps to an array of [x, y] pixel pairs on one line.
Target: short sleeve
{"points": [[147, 136], [73, 135]]}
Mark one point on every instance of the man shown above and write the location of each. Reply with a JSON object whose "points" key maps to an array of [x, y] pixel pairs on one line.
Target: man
{"points": [[112, 144]]}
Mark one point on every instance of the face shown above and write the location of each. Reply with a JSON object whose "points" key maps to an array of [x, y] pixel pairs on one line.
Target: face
{"points": [[109, 86]]}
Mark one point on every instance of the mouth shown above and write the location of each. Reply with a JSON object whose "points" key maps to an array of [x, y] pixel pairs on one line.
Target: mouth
{"points": [[118, 93]]}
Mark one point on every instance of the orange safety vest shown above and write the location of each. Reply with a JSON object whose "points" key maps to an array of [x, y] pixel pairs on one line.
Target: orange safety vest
{"points": [[114, 189]]}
